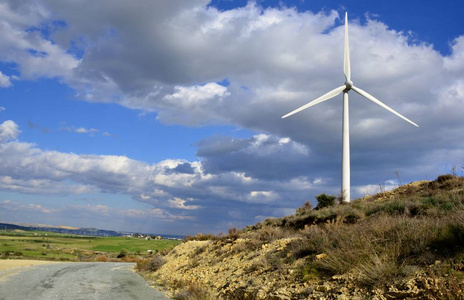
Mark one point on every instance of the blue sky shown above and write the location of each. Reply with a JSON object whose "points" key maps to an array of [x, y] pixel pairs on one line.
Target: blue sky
{"points": [[164, 117]]}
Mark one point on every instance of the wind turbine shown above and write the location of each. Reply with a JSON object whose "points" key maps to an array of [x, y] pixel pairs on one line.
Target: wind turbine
{"points": [[345, 88]]}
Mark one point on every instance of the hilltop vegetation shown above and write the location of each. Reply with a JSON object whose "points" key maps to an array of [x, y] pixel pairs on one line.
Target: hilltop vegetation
{"points": [[407, 243]]}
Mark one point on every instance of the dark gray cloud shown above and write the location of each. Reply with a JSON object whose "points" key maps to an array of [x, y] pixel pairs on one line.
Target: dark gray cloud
{"points": [[261, 156], [36, 126]]}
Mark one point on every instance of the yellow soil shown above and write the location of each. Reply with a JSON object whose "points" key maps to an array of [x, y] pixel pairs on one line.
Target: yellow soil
{"points": [[6, 264], [10, 267]]}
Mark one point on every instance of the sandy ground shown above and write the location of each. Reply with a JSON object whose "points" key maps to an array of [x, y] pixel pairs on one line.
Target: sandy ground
{"points": [[12, 266], [7, 264]]}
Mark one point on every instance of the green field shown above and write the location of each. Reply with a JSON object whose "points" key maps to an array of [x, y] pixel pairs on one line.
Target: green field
{"points": [[54, 246]]}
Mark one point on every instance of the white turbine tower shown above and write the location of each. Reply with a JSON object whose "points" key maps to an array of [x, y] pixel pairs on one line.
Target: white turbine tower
{"points": [[345, 190]]}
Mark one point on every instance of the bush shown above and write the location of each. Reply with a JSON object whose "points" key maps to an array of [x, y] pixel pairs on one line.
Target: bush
{"points": [[123, 253], [270, 234], [234, 233], [377, 270], [101, 258], [194, 291], [443, 178], [324, 200], [306, 208], [201, 237], [314, 240], [151, 265], [395, 208]]}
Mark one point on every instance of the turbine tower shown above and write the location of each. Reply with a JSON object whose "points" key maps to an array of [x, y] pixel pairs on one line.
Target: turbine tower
{"points": [[345, 88]]}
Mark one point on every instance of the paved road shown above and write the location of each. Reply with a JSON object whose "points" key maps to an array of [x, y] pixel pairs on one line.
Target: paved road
{"points": [[77, 281]]}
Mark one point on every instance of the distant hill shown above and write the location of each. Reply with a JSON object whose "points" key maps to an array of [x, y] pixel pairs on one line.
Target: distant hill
{"points": [[60, 229], [403, 244], [78, 231]]}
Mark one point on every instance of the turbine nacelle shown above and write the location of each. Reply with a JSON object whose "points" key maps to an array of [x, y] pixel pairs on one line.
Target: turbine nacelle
{"points": [[349, 85]]}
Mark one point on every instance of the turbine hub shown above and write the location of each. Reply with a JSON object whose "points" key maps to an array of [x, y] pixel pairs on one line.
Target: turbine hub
{"points": [[349, 85]]}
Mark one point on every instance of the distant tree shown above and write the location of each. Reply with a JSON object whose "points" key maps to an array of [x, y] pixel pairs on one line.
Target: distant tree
{"points": [[123, 253], [324, 200]]}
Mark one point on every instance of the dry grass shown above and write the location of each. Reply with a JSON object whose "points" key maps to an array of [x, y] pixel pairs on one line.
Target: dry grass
{"points": [[101, 258], [382, 239], [379, 240], [151, 264], [193, 291], [383, 249]]}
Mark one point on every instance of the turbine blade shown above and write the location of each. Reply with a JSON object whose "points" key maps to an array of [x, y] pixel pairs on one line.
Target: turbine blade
{"points": [[346, 63], [322, 98], [378, 102]]}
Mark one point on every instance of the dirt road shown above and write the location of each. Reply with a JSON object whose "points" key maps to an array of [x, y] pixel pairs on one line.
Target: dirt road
{"points": [[73, 281]]}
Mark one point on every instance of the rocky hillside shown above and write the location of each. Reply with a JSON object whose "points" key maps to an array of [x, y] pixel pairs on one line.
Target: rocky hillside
{"points": [[403, 244]]}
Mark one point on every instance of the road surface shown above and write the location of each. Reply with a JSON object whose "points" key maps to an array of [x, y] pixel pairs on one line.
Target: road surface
{"points": [[77, 281]]}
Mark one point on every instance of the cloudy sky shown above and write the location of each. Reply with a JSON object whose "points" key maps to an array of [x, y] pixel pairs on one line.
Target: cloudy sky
{"points": [[165, 116]]}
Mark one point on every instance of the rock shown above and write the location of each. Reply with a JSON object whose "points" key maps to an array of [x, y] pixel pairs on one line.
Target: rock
{"points": [[321, 256], [338, 278], [322, 288], [281, 294]]}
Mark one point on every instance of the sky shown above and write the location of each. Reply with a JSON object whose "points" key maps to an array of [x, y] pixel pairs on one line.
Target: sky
{"points": [[165, 116]]}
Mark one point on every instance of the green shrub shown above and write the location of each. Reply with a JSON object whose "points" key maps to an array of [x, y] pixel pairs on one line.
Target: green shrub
{"points": [[395, 208], [443, 178], [306, 208], [123, 253], [309, 272], [324, 200]]}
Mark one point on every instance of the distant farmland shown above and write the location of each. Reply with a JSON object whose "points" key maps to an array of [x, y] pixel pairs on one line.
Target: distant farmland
{"points": [[66, 247]]}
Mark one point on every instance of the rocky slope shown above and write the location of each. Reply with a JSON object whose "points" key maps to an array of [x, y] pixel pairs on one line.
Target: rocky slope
{"points": [[404, 244]]}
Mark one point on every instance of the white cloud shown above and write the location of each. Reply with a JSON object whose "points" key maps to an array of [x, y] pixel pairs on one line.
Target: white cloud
{"points": [[373, 189], [8, 131], [270, 68], [4, 80], [12, 206], [175, 189], [318, 180], [21, 43], [43, 186], [455, 62], [180, 203], [198, 98], [83, 130], [163, 56], [263, 196], [195, 95]]}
